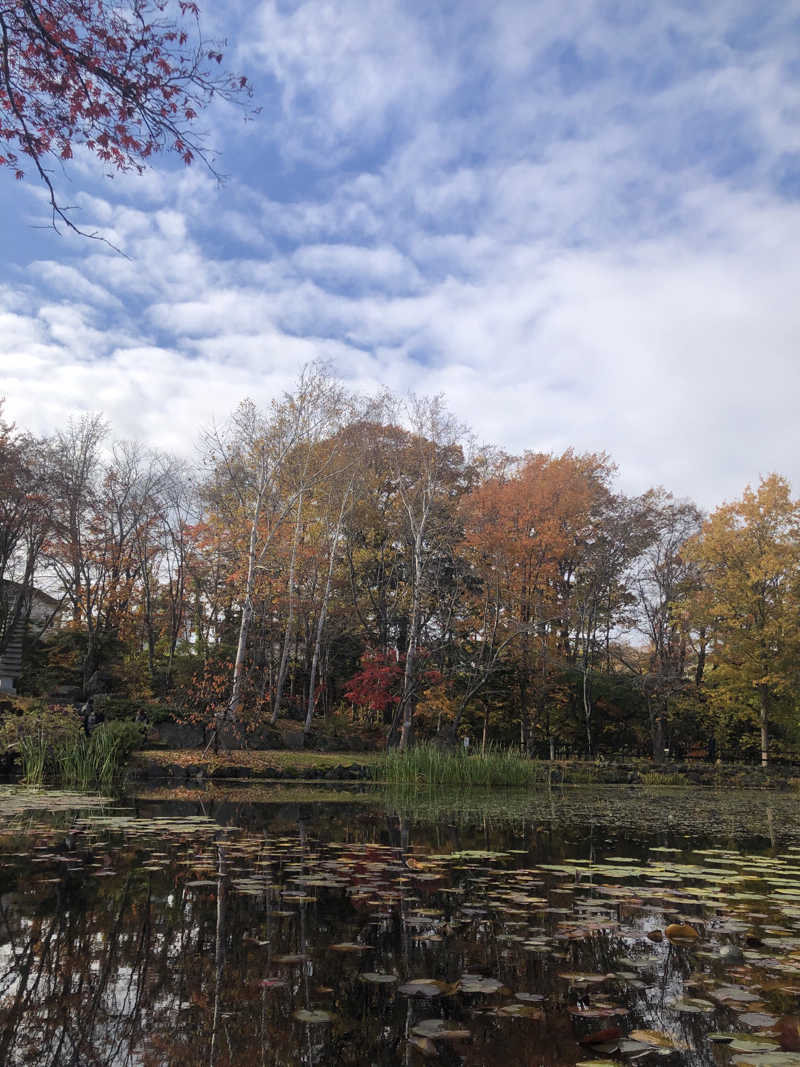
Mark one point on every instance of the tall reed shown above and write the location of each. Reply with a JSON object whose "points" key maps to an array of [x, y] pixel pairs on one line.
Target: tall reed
{"points": [[429, 764], [78, 761], [33, 755]]}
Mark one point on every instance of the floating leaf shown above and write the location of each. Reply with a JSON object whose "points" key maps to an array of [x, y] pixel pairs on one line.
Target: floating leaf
{"points": [[753, 1043], [656, 1038], [441, 1029], [473, 983], [313, 1015], [425, 987], [691, 1005], [681, 932], [520, 1011], [595, 1013], [768, 1059]]}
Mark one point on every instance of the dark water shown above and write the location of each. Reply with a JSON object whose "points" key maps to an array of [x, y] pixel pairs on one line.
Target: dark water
{"points": [[261, 927]]}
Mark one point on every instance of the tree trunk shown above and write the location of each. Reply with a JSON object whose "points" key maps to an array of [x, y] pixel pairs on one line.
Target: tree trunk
{"points": [[587, 712], [763, 695], [409, 699], [235, 702], [283, 670], [656, 716], [323, 611], [409, 681]]}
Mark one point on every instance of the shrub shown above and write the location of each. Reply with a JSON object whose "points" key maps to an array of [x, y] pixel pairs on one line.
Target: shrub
{"points": [[32, 720]]}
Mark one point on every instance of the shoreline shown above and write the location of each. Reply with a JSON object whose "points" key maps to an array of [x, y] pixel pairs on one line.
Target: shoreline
{"points": [[280, 765]]}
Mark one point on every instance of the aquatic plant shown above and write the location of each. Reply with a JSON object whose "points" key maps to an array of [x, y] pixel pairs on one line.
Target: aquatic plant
{"points": [[70, 758], [429, 764], [663, 778]]}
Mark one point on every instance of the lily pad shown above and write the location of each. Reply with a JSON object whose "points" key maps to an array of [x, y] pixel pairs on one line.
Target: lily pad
{"points": [[768, 1059], [691, 1005], [474, 983], [313, 1015], [425, 987], [519, 1011], [753, 1043], [441, 1029]]}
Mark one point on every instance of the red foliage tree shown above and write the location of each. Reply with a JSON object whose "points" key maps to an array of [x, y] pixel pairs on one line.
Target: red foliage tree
{"points": [[378, 686], [379, 683], [124, 80]]}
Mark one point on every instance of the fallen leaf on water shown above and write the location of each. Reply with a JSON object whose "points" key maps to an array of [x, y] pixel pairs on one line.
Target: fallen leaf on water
{"points": [[658, 1039], [681, 932]]}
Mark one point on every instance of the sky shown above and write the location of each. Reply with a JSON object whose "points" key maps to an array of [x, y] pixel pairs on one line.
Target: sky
{"points": [[579, 222]]}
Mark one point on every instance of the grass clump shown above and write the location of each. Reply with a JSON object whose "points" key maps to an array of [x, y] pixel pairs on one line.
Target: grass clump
{"points": [[663, 778], [429, 764], [98, 761]]}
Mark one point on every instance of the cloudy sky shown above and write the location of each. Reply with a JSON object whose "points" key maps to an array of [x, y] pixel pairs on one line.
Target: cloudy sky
{"points": [[579, 221]]}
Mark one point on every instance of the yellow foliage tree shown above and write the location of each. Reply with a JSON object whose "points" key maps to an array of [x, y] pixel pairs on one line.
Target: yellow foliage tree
{"points": [[749, 555]]}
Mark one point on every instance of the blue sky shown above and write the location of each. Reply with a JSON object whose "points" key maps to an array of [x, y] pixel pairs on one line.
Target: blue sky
{"points": [[578, 221]]}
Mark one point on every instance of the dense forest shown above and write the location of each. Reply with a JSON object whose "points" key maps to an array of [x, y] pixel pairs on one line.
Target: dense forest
{"points": [[361, 564]]}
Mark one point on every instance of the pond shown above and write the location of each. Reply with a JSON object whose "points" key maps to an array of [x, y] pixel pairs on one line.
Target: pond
{"points": [[292, 925]]}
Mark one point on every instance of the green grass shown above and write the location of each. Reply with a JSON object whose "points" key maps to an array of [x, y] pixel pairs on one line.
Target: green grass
{"points": [[432, 765]]}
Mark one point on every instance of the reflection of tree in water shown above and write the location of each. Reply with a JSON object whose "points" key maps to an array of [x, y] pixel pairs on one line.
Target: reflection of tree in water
{"points": [[72, 991], [112, 960]]}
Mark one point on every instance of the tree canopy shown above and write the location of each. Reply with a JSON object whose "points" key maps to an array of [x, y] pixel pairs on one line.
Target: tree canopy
{"points": [[357, 563]]}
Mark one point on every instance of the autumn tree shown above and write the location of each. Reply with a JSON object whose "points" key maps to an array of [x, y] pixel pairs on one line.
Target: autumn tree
{"points": [[428, 473], [373, 538], [661, 580], [105, 506], [260, 467], [159, 498], [532, 531], [336, 502], [122, 81], [75, 465], [749, 554], [24, 524]]}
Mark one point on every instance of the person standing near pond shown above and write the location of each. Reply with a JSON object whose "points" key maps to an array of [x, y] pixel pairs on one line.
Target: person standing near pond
{"points": [[91, 718]]}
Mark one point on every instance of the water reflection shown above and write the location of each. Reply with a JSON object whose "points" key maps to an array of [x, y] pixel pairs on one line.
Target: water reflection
{"points": [[291, 931]]}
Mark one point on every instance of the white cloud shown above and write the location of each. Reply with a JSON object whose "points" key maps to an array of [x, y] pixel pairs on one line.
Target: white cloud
{"points": [[565, 256]]}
